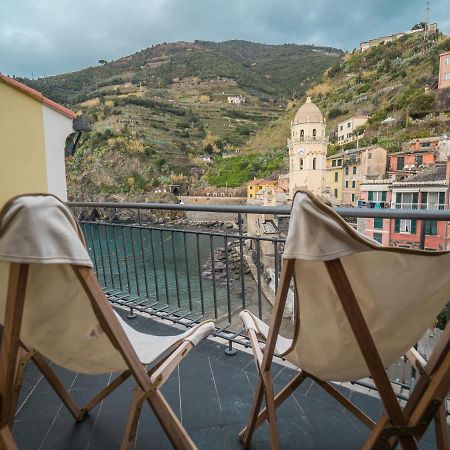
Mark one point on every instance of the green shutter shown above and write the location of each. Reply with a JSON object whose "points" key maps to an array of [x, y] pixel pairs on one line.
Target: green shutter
{"points": [[383, 196], [397, 225], [431, 227], [441, 200], [370, 196], [415, 199], [413, 226], [378, 222], [424, 200], [398, 197]]}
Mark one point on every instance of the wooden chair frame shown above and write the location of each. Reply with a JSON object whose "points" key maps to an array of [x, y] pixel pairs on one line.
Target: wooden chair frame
{"points": [[427, 401], [14, 355]]}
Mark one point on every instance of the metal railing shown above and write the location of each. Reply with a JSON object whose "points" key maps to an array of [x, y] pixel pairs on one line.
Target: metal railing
{"points": [[185, 272]]}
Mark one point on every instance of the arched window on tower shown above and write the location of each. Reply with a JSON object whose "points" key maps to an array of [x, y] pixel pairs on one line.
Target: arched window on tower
{"points": [[302, 135], [314, 134], [301, 164], [314, 162]]}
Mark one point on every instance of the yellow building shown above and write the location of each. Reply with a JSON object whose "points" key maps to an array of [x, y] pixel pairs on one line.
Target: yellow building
{"points": [[335, 176], [256, 185], [33, 132]]}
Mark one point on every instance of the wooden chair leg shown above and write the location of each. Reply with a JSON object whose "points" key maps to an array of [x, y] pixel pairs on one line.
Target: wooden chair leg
{"points": [[271, 411], [282, 396], [56, 384], [132, 420], [440, 424], [6, 439], [246, 434], [176, 433]]}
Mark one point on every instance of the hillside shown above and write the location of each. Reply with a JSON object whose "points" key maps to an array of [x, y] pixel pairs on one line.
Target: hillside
{"points": [[396, 80], [161, 115]]}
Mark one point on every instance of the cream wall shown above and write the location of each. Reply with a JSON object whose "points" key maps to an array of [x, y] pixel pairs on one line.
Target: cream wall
{"points": [[22, 148], [57, 127]]}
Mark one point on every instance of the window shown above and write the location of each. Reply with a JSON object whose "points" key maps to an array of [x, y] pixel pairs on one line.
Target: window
{"points": [[353, 184], [314, 163], [353, 197], [349, 135], [333, 163], [419, 160], [354, 170], [314, 134], [301, 163], [346, 184], [378, 237], [431, 227], [370, 155], [302, 135], [405, 226], [336, 176], [378, 222], [407, 200], [425, 144], [447, 76], [349, 124], [346, 170], [341, 127], [433, 200], [447, 60], [400, 163], [339, 162], [336, 193]]}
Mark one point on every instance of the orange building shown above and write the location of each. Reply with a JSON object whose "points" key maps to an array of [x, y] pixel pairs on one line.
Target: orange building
{"points": [[254, 186], [444, 70]]}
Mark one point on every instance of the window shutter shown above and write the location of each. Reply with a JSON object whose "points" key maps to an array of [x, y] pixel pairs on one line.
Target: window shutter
{"points": [[413, 226], [415, 198], [383, 196], [441, 200], [398, 197], [424, 200], [397, 225], [370, 196]]}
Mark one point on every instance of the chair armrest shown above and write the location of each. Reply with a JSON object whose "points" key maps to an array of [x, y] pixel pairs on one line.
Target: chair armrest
{"points": [[416, 360]]}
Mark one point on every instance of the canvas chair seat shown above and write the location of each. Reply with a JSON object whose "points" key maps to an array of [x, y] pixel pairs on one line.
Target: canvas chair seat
{"points": [[399, 291], [359, 307], [35, 230], [51, 304]]}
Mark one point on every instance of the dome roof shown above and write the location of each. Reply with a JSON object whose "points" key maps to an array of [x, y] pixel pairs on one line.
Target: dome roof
{"points": [[308, 112]]}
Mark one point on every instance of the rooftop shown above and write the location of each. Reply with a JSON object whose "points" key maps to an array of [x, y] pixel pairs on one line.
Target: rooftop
{"points": [[435, 173], [211, 393]]}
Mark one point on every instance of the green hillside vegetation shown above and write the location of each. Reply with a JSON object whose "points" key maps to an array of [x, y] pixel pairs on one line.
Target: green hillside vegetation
{"points": [[159, 113], [394, 80]]}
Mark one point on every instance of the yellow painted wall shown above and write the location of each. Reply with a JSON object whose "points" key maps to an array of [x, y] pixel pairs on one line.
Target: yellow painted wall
{"points": [[335, 184], [22, 146]]}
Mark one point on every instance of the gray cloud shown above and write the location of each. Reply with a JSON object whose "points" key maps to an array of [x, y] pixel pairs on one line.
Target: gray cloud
{"points": [[54, 36]]}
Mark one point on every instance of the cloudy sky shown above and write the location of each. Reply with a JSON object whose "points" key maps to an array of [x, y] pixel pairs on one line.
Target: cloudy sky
{"points": [[43, 37]]}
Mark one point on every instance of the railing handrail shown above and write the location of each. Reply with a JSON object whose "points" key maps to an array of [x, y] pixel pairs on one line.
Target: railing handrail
{"points": [[386, 213]]}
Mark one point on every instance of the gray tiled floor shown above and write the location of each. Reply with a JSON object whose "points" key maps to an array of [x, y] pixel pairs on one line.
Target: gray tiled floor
{"points": [[210, 392]]}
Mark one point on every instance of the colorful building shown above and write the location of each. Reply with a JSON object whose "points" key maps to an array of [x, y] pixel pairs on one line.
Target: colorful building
{"points": [[256, 185], [335, 176], [33, 132], [444, 70], [428, 189], [348, 129]]}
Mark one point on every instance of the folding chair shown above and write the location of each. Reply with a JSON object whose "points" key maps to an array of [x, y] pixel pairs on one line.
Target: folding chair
{"points": [[359, 307], [52, 306]]}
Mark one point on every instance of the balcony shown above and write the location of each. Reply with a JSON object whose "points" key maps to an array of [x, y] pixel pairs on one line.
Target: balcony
{"points": [[163, 277]]}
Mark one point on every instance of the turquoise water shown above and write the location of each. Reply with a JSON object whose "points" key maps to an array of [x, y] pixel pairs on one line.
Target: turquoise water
{"points": [[162, 269]]}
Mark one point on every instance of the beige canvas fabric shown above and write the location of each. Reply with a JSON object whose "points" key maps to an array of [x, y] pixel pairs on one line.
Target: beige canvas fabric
{"points": [[399, 291], [58, 318]]}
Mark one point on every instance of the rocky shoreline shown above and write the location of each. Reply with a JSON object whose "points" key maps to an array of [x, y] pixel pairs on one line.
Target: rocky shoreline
{"points": [[220, 264]]}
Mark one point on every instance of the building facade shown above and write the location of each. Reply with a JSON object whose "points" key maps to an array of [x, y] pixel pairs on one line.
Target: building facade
{"points": [[256, 185], [347, 130], [444, 70], [307, 150], [428, 189], [335, 176], [33, 133]]}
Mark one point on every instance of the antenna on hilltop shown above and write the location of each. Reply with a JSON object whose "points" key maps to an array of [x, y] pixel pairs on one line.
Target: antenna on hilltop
{"points": [[427, 21]]}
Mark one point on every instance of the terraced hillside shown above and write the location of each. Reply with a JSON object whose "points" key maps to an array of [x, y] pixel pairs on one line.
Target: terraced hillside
{"points": [[396, 81], [162, 115]]}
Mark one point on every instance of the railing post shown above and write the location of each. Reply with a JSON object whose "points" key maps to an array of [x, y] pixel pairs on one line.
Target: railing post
{"points": [[230, 351]]}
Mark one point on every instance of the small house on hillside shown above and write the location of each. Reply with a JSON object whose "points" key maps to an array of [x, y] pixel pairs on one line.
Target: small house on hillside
{"points": [[33, 132]]}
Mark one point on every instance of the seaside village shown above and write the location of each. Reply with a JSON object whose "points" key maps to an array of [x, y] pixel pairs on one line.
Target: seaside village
{"points": [[417, 177]]}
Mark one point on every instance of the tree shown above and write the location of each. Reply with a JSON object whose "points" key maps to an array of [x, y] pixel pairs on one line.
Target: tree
{"points": [[102, 62]]}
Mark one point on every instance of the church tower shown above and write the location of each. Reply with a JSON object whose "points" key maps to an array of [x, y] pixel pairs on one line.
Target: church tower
{"points": [[307, 150]]}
